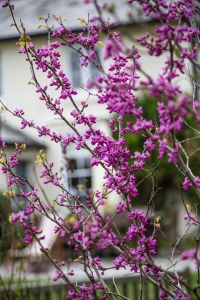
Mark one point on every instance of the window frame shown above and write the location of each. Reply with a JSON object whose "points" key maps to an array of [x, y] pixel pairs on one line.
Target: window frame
{"points": [[84, 73], [83, 172]]}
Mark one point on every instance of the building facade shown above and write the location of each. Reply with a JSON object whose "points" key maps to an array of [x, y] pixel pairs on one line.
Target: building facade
{"points": [[15, 91]]}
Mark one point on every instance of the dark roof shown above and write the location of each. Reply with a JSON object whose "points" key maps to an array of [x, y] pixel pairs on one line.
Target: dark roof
{"points": [[11, 136], [29, 11]]}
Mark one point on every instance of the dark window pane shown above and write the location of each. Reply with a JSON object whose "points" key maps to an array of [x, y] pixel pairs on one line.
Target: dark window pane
{"points": [[74, 182], [21, 171], [75, 68], [94, 72], [72, 164], [87, 163], [88, 182]]}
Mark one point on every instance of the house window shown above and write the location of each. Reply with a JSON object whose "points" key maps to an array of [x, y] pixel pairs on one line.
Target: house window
{"points": [[79, 177], [22, 171], [75, 69], [94, 72], [80, 75]]}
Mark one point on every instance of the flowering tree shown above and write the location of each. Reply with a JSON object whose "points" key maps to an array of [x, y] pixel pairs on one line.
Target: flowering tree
{"points": [[167, 135]]}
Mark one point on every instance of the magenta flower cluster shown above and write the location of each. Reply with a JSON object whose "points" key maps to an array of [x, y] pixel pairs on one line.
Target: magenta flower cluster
{"points": [[117, 88]]}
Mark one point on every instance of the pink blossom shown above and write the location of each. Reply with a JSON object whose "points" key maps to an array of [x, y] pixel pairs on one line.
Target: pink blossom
{"points": [[197, 181], [112, 46], [186, 184]]}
